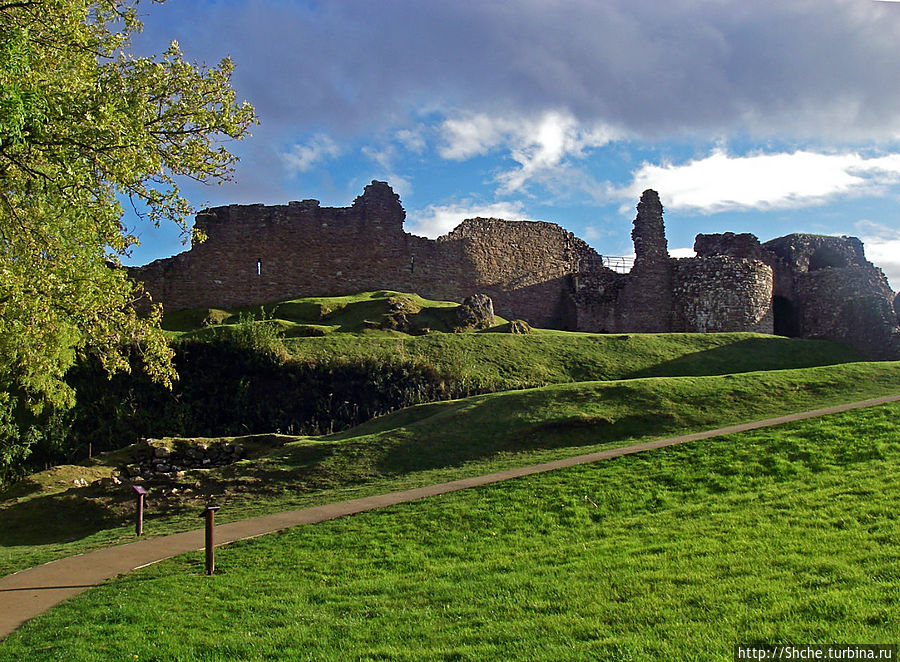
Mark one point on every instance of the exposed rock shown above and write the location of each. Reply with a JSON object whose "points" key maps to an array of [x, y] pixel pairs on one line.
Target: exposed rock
{"points": [[172, 462], [475, 312], [397, 321], [649, 233], [519, 327]]}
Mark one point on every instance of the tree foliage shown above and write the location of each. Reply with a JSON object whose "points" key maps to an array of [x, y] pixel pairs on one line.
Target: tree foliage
{"points": [[85, 124]]}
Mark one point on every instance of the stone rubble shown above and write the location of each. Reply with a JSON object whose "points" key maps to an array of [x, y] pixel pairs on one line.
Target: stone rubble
{"points": [[159, 460]]}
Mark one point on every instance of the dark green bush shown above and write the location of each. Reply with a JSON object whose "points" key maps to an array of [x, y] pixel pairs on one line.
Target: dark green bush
{"points": [[238, 381]]}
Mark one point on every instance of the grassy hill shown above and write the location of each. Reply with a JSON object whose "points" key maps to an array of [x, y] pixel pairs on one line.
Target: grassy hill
{"points": [[779, 535], [239, 374], [319, 316], [46, 516], [659, 556], [359, 327]]}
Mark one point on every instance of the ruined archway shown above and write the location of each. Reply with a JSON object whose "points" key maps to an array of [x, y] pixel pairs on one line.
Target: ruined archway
{"points": [[786, 322]]}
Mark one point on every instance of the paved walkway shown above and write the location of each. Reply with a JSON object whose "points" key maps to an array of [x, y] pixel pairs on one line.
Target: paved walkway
{"points": [[25, 594]]}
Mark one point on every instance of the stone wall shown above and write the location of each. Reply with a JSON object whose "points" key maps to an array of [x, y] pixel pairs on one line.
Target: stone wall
{"points": [[798, 285], [729, 243], [595, 300], [648, 290], [256, 254], [524, 266], [850, 304], [721, 293], [808, 252]]}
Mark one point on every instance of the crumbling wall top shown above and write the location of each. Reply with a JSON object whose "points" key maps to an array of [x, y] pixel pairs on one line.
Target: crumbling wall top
{"points": [[744, 245], [380, 205], [809, 252], [649, 233]]}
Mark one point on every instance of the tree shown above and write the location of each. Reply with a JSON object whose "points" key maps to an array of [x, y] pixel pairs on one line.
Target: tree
{"points": [[83, 125]]}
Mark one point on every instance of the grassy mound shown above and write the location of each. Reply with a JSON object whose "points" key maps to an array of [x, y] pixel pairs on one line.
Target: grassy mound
{"points": [[365, 327], [502, 361], [317, 316], [244, 377]]}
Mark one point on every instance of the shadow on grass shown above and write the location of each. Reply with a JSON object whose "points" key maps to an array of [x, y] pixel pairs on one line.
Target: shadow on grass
{"points": [[21, 488], [753, 354], [410, 454], [292, 467], [56, 518]]}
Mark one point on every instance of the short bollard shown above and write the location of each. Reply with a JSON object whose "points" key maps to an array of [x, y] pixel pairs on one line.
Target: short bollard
{"points": [[210, 514], [140, 493]]}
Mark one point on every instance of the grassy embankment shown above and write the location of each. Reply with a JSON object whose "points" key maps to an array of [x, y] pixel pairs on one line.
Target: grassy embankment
{"points": [[418, 446], [359, 327], [779, 535]]}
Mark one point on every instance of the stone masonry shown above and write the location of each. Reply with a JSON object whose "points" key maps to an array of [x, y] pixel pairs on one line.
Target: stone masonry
{"points": [[798, 285], [257, 254]]}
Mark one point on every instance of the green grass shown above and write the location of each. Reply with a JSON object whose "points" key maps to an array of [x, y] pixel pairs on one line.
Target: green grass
{"points": [[358, 327], [427, 444], [552, 357], [345, 314], [780, 535]]}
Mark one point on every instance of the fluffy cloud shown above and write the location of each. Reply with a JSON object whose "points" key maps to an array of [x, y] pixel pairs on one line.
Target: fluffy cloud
{"points": [[303, 157], [412, 139], [723, 182], [475, 135], [437, 220], [542, 146], [537, 82]]}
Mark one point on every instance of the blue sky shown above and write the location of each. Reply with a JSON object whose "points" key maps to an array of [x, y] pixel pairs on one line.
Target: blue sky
{"points": [[762, 116]]}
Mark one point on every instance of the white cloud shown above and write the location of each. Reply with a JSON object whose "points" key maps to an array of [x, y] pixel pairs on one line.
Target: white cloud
{"points": [[472, 136], [385, 157], [412, 139], [543, 146], [722, 182], [592, 233], [437, 220], [882, 245], [303, 157]]}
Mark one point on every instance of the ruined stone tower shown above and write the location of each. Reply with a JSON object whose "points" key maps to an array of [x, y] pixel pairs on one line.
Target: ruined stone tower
{"points": [[649, 233], [650, 285]]}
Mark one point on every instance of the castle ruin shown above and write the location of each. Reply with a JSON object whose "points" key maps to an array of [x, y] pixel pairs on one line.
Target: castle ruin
{"points": [[798, 285]]}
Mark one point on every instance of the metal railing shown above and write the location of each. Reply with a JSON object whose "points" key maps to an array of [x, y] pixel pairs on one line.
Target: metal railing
{"points": [[619, 264]]}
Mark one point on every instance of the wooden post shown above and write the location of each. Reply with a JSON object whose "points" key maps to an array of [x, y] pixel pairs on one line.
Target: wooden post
{"points": [[210, 514], [140, 493]]}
